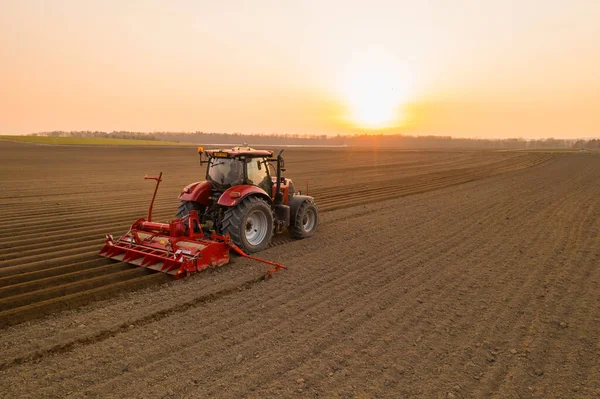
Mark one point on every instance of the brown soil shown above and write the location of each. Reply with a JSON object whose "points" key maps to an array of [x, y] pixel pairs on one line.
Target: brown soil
{"points": [[488, 288], [60, 202]]}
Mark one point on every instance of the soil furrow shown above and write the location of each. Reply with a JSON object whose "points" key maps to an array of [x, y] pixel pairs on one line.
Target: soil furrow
{"points": [[433, 274]]}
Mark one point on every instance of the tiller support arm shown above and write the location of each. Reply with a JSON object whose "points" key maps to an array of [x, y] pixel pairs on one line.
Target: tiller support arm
{"points": [[238, 250], [158, 180]]}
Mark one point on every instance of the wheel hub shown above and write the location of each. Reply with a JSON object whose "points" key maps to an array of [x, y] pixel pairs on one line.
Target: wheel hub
{"points": [[309, 220], [256, 228]]}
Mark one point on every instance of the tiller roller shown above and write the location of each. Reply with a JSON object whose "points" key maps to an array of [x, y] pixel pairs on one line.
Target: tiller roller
{"points": [[178, 248]]}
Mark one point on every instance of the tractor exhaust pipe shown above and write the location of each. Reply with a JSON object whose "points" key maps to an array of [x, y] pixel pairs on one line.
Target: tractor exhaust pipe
{"points": [[278, 194]]}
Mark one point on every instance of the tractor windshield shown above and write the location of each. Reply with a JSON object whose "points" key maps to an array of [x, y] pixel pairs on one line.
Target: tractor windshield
{"points": [[225, 172]]}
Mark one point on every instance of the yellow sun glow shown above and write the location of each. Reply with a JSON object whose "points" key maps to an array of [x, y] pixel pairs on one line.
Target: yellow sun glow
{"points": [[373, 103], [375, 89]]}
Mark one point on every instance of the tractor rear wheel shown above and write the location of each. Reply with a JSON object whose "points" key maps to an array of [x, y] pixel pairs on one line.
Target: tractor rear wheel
{"points": [[306, 221], [186, 206], [249, 224]]}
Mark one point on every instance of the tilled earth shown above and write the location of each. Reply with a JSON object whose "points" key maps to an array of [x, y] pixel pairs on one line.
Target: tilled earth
{"points": [[483, 282]]}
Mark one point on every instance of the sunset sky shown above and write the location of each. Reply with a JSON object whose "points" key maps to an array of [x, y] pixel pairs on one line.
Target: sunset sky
{"points": [[462, 68]]}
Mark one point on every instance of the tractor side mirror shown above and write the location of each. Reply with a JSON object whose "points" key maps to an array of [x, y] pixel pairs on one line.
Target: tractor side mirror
{"points": [[200, 152]]}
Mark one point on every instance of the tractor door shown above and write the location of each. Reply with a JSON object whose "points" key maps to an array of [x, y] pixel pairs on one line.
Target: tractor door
{"points": [[258, 175]]}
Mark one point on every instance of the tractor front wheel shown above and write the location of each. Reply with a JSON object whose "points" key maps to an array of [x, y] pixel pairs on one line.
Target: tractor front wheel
{"points": [[306, 221], [249, 224]]}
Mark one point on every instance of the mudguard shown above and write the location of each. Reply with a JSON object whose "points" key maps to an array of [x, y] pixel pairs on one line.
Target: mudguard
{"points": [[236, 194], [197, 192]]}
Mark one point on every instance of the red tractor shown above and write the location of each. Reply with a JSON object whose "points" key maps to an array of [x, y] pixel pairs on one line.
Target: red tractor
{"points": [[245, 196], [241, 204]]}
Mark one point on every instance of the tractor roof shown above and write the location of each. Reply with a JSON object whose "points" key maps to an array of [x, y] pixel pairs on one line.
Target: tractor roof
{"points": [[237, 151]]}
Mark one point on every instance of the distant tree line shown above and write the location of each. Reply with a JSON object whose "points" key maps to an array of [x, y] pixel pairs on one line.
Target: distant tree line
{"points": [[593, 144], [97, 134], [253, 139], [451, 142], [363, 140]]}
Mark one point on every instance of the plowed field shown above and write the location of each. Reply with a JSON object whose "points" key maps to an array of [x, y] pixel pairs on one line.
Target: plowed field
{"points": [[433, 274]]}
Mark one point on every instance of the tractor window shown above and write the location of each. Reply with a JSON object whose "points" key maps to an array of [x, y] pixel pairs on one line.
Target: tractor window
{"points": [[257, 176], [226, 172]]}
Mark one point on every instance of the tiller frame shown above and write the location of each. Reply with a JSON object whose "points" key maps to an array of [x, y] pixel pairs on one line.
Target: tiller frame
{"points": [[178, 248]]}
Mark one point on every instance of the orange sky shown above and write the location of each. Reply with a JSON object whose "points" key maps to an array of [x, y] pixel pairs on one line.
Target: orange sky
{"points": [[462, 68]]}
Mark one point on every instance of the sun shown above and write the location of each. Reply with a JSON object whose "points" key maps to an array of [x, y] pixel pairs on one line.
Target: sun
{"points": [[374, 103], [375, 91]]}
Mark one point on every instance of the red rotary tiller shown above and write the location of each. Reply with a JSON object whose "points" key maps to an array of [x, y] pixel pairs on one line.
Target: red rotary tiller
{"points": [[178, 248]]}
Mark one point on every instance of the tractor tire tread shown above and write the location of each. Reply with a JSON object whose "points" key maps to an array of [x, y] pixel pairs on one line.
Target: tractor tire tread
{"points": [[296, 228], [186, 206], [233, 218]]}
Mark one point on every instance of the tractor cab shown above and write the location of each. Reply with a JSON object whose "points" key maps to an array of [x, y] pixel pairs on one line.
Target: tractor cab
{"points": [[238, 166]]}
